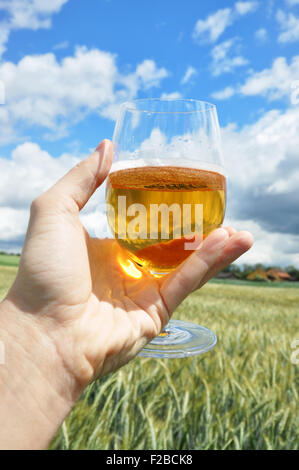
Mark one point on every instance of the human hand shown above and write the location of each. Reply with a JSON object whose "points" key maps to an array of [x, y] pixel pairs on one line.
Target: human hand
{"points": [[73, 314], [74, 290]]}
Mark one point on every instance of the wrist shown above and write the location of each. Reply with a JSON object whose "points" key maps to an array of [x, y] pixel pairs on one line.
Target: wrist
{"points": [[37, 392]]}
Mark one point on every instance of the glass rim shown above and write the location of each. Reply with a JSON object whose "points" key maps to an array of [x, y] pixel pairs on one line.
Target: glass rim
{"points": [[127, 105]]}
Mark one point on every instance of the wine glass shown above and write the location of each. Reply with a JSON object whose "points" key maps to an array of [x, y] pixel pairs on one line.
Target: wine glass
{"points": [[165, 193]]}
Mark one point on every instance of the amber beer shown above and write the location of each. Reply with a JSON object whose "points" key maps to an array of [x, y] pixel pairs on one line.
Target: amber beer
{"points": [[154, 210]]}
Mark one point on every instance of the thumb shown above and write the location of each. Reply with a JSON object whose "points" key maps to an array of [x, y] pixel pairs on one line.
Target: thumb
{"points": [[81, 181]]}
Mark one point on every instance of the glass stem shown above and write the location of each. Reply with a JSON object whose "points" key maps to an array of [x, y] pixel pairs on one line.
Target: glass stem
{"points": [[165, 331]]}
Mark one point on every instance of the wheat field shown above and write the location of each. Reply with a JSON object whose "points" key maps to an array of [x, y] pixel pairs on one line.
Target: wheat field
{"points": [[241, 395]]}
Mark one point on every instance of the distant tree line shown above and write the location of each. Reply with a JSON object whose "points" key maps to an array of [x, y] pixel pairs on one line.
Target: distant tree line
{"points": [[241, 272], [9, 254]]}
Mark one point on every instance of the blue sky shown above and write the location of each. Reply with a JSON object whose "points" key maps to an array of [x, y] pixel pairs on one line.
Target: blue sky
{"points": [[68, 64]]}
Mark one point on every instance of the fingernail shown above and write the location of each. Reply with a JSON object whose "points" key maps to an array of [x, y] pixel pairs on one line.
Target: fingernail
{"points": [[221, 237], [217, 239]]}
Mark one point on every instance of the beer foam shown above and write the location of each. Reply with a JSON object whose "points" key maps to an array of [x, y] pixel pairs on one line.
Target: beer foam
{"points": [[139, 163]]}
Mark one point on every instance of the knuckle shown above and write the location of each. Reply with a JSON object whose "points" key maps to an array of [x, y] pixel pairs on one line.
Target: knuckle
{"points": [[39, 204], [81, 165], [184, 281], [78, 165]]}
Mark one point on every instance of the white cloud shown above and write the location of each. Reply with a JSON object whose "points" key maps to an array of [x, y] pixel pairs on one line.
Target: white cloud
{"points": [[4, 35], [7, 131], [149, 74], [171, 96], [190, 72], [32, 171], [261, 34], [272, 249], [269, 150], [28, 172], [243, 8], [211, 28], [13, 228], [264, 146], [42, 91], [26, 14], [223, 60], [224, 94], [283, 186], [262, 164], [274, 83], [289, 25], [292, 2]]}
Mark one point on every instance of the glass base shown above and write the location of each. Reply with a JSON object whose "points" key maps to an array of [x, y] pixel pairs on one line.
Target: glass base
{"points": [[180, 339]]}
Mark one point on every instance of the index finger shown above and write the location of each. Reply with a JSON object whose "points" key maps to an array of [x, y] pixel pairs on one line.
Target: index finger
{"points": [[184, 279]]}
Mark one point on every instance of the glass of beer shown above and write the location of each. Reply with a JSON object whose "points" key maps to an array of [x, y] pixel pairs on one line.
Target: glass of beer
{"points": [[165, 193]]}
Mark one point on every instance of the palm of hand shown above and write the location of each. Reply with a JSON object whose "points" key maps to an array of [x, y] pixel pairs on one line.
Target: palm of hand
{"points": [[87, 303]]}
